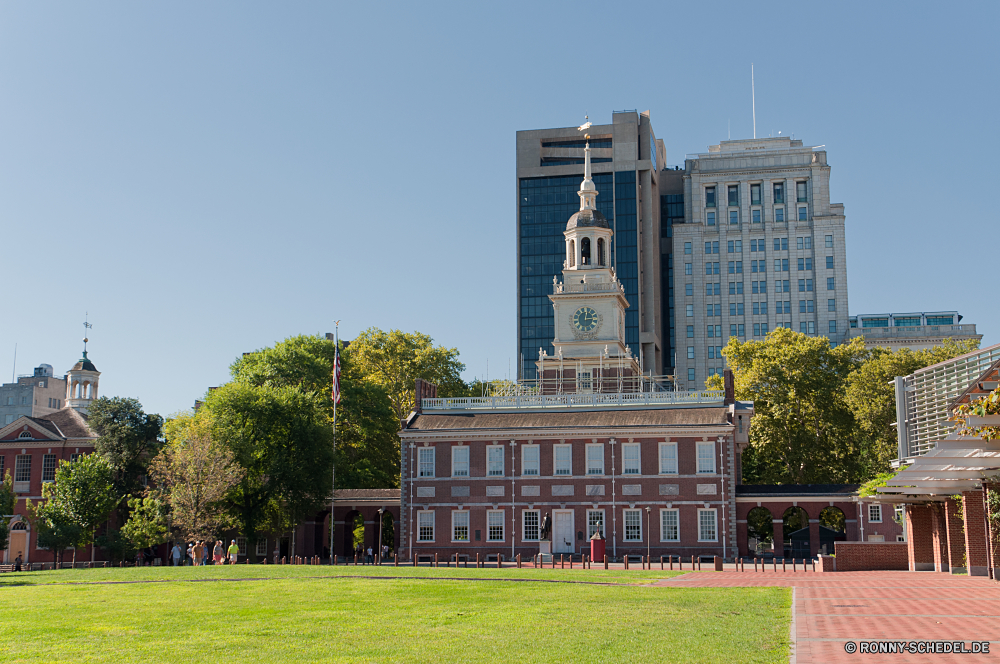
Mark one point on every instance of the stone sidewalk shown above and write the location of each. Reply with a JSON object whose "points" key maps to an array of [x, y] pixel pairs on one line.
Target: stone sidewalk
{"points": [[832, 609]]}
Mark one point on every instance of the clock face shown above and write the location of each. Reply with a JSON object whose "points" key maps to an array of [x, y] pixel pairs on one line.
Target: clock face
{"points": [[585, 319]]}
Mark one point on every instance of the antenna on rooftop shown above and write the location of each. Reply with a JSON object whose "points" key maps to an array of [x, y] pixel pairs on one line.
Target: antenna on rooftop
{"points": [[753, 101]]}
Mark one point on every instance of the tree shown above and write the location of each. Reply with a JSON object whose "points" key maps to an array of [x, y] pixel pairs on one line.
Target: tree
{"points": [[128, 439], [395, 359], [872, 399], [8, 499], [802, 427], [195, 475], [282, 438], [147, 522], [77, 502], [367, 444]]}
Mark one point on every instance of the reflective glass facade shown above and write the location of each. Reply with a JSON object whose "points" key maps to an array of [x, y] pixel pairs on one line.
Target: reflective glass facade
{"points": [[546, 204], [671, 212], [626, 251]]}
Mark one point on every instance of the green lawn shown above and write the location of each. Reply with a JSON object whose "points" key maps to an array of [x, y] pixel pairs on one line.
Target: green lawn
{"points": [[286, 613]]}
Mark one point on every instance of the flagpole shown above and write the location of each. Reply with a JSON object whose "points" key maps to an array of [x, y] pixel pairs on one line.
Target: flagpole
{"points": [[333, 471]]}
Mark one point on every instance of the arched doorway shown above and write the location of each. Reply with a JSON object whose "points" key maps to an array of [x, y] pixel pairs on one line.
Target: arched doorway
{"points": [[354, 533], [760, 532], [832, 528], [388, 531], [795, 527], [17, 542]]}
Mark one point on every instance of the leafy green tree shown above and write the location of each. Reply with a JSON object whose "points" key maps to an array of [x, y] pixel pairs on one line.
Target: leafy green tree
{"points": [[282, 438], [367, 444], [8, 500], [802, 427], [128, 439], [195, 476], [395, 359], [147, 522], [56, 529], [76, 503]]}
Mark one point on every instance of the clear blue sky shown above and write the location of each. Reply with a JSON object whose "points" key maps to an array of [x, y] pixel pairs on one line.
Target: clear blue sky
{"points": [[207, 178]]}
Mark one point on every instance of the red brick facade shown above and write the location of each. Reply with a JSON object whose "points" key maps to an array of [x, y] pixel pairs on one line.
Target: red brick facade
{"points": [[863, 556]]}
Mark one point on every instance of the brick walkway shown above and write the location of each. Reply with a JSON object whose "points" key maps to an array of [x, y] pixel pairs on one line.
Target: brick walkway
{"points": [[832, 609]]}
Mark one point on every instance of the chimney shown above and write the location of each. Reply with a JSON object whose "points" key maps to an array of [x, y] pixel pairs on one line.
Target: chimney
{"points": [[730, 386], [423, 390]]}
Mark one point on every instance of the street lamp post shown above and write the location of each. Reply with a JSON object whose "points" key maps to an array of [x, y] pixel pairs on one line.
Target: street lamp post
{"points": [[648, 535], [380, 511]]}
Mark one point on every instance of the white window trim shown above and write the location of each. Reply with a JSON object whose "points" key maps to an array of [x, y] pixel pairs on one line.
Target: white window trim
{"points": [[420, 452], [421, 516], [661, 448], [262, 547], [638, 454], [503, 526], [468, 527], [538, 460], [678, 514], [538, 527], [876, 506], [460, 448], [603, 523], [555, 463], [503, 461], [698, 448], [587, 459], [715, 514], [625, 537]]}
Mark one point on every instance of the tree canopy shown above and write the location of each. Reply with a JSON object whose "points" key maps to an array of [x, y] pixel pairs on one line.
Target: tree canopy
{"points": [[128, 438], [394, 360]]}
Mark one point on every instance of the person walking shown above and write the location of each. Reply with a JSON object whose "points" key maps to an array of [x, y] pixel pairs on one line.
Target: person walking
{"points": [[190, 554], [218, 556], [370, 559], [234, 552], [175, 554], [17, 562], [204, 552]]}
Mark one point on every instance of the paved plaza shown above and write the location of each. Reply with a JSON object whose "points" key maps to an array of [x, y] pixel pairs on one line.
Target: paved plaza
{"points": [[831, 609]]}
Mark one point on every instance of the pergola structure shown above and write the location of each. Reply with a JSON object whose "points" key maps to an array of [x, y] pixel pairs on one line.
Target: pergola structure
{"points": [[946, 491]]}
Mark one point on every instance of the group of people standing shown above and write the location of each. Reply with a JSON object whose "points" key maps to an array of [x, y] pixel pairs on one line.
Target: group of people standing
{"points": [[367, 556], [197, 553]]}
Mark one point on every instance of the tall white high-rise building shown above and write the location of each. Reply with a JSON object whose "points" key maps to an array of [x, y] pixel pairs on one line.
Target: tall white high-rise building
{"points": [[761, 246]]}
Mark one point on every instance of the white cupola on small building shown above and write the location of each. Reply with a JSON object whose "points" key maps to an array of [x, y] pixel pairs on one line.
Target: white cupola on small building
{"points": [[588, 233], [81, 383]]}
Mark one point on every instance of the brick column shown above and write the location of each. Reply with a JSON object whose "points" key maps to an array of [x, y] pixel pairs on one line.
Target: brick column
{"points": [[778, 538], [956, 537], [975, 533], [919, 540], [939, 540], [741, 538], [813, 537]]}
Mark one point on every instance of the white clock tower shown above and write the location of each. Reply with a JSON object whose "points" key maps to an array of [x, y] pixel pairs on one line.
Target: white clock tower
{"points": [[589, 305]]}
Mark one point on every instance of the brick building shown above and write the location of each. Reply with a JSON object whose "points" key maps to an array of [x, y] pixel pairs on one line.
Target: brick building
{"points": [[32, 447]]}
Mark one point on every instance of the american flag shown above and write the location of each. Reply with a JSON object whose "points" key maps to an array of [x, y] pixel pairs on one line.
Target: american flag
{"points": [[336, 377]]}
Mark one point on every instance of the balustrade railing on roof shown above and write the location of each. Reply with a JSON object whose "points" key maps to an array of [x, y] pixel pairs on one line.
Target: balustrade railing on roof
{"points": [[589, 400]]}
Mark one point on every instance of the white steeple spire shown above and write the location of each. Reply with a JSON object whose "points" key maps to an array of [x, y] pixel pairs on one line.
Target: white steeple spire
{"points": [[588, 192]]}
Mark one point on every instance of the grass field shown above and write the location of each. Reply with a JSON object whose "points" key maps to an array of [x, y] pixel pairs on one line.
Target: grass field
{"points": [[327, 614]]}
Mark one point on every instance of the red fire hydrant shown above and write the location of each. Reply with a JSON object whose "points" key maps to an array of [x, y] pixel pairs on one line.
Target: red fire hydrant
{"points": [[596, 547]]}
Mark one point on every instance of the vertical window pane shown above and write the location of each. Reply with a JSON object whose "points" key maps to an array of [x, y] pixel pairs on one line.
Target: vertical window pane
{"points": [[633, 525], [460, 461], [668, 458], [530, 525], [494, 526], [669, 526], [706, 457], [494, 460], [530, 460], [425, 457], [425, 526], [595, 459], [706, 525], [595, 522], [630, 459], [460, 526], [563, 459]]}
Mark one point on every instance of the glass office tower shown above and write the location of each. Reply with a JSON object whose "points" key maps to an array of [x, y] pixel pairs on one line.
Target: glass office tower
{"points": [[549, 171]]}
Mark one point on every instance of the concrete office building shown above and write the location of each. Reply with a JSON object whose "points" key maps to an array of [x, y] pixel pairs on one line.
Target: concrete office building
{"points": [[626, 161], [916, 330], [33, 395], [761, 246]]}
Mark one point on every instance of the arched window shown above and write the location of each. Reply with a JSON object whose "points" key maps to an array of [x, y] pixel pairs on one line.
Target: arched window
{"points": [[585, 251], [25, 434], [600, 251], [19, 525], [572, 253]]}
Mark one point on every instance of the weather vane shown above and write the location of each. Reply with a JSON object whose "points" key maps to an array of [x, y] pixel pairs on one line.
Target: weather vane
{"points": [[585, 126], [86, 326]]}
